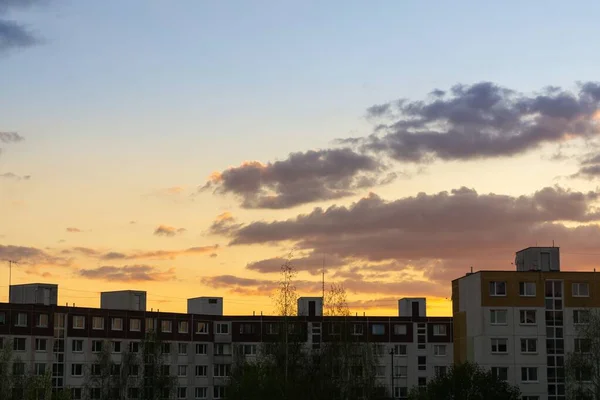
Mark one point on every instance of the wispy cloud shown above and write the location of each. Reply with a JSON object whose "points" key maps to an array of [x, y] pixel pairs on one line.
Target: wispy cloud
{"points": [[12, 33], [13, 176], [128, 273], [159, 254], [72, 229], [165, 230]]}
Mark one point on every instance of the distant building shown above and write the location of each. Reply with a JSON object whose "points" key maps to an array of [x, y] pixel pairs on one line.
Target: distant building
{"points": [[522, 323], [65, 339]]}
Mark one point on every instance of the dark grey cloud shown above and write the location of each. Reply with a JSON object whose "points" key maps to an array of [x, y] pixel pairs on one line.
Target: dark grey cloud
{"points": [[301, 178], [483, 120], [12, 33], [128, 273], [312, 263], [438, 234], [170, 231]]}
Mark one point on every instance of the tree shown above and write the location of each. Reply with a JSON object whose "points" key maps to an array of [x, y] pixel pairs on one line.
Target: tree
{"points": [[466, 381], [286, 369], [582, 366], [157, 382]]}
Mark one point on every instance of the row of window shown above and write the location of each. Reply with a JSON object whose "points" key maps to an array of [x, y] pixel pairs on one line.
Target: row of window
{"points": [[528, 289], [528, 374], [530, 346], [20, 344], [529, 317], [133, 393]]}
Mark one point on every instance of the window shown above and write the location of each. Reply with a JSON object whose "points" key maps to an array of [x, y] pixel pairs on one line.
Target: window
{"points": [[182, 370], [98, 323], [134, 370], [218, 392], [96, 369], [134, 347], [222, 328], [182, 393], [21, 319], [400, 371], [378, 329], [183, 327], [440, 330], [527, 289], [182, 348], [272, 329], [583, 374], [246, 329], [440, 370], [497, 288], [201, 348], [135, 324], [498, 317], [200, 393], [166, 348], [439, 349], [528, 345], [357, 329], [400, 350], [582, 345], [18, 368], [202, 328], [78, 322], [529, 374], [335, 329], [117, 324], [116, 347], [40, 368], [76, 393], [379, 370], [77, 346], [19, 344], [500, 373], [248, 349], [422, 381], [41, 344], [222, 349], [581, 290], [499, 345], [41, 321], [379, 349], [2, 318], [422, 363], [201, 370], [150, 322], [401, 392], [221, 370], [399, 329], [77, 369], [581, 316], [527, 317], [96, 346], [166, 326]]}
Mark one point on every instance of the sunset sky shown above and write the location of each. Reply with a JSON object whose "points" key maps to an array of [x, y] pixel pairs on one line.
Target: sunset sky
{"points": [[187, 147]]}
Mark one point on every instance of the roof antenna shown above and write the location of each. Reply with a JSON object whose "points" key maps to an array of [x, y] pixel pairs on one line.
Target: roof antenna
{"points": [[471, 269], [552, 242]]}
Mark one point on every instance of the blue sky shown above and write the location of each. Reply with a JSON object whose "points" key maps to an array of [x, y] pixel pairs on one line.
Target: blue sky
{"points": [[122, 99]]}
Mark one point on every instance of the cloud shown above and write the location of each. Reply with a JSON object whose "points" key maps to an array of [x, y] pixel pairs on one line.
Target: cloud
{"points": [[31, 256], [128, 273], [10, 137], [224, 224], [478, 121], [165, 230], [303, 177], [440, 234], [10, 175], [313, 263], [73, 230], [13, 34], [158, 254]]}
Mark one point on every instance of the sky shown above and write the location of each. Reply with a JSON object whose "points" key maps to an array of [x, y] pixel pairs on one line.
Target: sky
{"points": [[188, 148]]}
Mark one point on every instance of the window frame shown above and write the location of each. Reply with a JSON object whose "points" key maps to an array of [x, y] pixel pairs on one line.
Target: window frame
{"points": [[95, 327], [579, 285], [494, 313], [495, 292], [114, 324], [80, 318], [437, 353], [527, 350], [523, 292], [527, 371], [438, 331], [497, 345]]}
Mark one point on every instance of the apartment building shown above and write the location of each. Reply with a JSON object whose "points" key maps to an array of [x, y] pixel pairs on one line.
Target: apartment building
{"points": [[411, 347], [521, 324]]}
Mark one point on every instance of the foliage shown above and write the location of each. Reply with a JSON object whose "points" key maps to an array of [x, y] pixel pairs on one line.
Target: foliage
{"points": [[466, 381], [156, 382], [286, 369], [582, 366]]}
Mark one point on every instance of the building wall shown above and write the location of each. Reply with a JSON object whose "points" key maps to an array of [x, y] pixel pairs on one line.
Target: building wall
{"points": [[223, 330]]}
